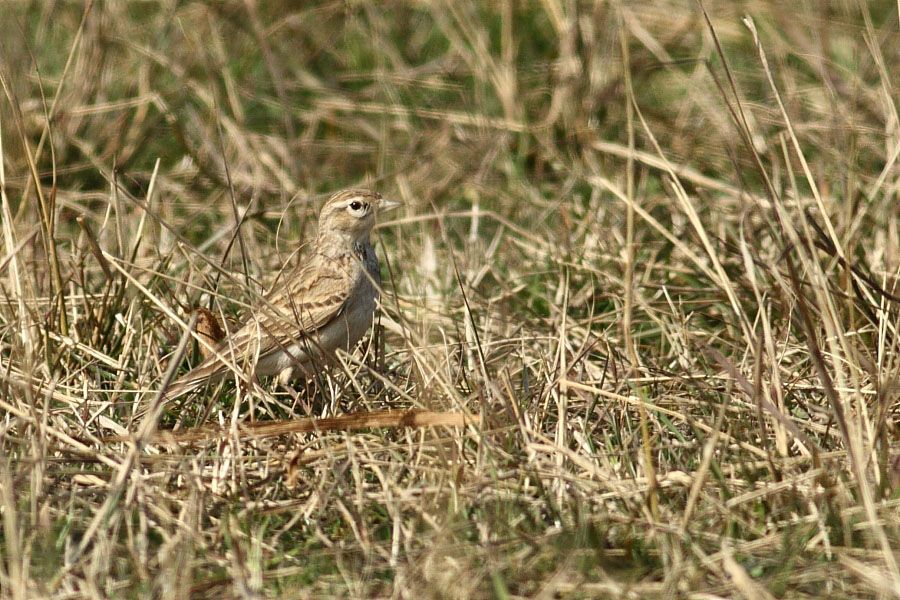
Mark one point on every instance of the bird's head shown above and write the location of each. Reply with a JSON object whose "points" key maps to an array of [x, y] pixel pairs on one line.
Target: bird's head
{"points": [[350, 214]]}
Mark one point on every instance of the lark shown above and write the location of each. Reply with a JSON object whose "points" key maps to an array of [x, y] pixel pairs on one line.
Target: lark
{"points": [[325, 304]]}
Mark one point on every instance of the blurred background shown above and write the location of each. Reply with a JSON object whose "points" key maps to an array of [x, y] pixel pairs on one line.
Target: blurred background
{"points": [[510, 107]]}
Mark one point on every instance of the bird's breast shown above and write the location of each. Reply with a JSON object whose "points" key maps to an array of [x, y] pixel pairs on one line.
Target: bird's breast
{"points": [[343, 331], [361, 307], [356, 316]]}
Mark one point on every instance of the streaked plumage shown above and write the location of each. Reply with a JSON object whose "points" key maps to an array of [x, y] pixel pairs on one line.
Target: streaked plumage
{"points": [[326, 303]]}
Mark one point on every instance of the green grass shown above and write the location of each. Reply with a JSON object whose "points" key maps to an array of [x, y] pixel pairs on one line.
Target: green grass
{"points": [[666, 410]]}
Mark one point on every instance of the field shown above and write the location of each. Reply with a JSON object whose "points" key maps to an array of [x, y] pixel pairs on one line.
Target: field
{"points": [[649, 256]]}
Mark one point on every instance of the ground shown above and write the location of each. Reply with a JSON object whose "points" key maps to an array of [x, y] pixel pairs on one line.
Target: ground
{"points": [[648, 255]]}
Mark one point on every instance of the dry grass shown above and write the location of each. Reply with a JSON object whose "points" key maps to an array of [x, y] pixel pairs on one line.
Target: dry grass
{"points": [[657, 256]]}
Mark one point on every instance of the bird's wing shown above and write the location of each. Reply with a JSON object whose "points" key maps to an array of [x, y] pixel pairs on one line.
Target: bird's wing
{"points": [[312, 296]]}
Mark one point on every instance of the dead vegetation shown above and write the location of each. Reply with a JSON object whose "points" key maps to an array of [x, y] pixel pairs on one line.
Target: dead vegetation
{"points": [[650, 255]]}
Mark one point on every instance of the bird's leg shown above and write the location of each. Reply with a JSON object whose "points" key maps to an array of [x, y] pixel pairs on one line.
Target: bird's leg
{"points": [[256, 383], [303, 397], [284, 382], [310, 387]]}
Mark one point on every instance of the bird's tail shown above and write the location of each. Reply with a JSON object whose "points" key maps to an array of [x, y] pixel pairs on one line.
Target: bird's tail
{"points": [[154, 404], [207, 326]]}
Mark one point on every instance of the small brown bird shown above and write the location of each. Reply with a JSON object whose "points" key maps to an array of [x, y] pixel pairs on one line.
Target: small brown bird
{"points": [[326, 303]]}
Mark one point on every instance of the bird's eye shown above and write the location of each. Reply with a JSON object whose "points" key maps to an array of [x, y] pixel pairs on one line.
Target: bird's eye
{"points": [[355, 205]]}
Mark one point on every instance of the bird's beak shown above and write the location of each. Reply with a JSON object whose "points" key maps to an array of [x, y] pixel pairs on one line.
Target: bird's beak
{"points": [[388, 204]]}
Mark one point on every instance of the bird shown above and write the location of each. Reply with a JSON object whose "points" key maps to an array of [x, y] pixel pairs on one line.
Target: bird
{"points": [[324, 304]]}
